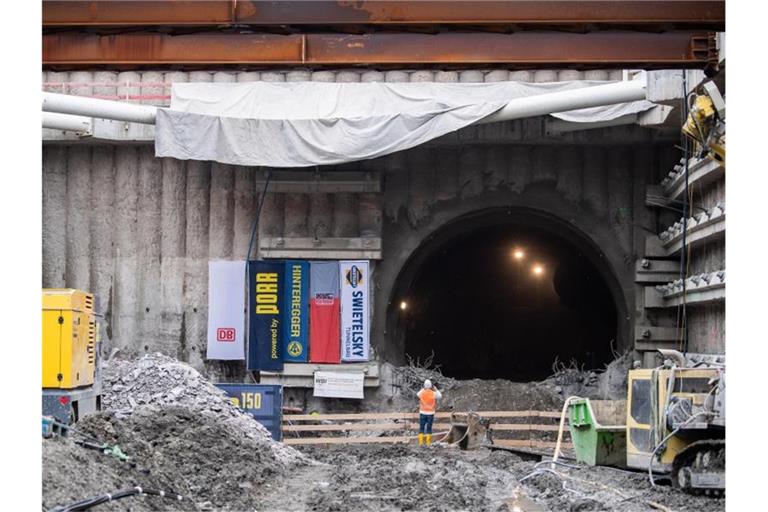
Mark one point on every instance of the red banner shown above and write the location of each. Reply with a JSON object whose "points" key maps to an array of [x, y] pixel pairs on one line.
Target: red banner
{"points": [[324, 313]]}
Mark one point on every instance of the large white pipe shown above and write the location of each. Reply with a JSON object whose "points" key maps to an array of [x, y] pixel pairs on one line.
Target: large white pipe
{"points": [[93, 107], [66, 122], [519, 108], [559, 126], [542, 104]]}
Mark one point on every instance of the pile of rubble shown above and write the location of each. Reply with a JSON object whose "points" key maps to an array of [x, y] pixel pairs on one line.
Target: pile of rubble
{"points": [[159, 380], [411, 378], [609, 383], [181, 433]]}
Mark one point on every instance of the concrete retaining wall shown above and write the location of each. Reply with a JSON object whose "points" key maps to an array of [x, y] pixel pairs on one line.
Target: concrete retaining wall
{"points": [[139, 231]]}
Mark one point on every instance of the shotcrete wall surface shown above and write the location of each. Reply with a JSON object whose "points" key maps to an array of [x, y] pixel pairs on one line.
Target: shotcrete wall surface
{"points": [[139, 231]]}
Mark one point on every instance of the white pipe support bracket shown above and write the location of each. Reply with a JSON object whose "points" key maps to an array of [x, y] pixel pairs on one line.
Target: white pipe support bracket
{"points": [[586, 97], [94, 107]]}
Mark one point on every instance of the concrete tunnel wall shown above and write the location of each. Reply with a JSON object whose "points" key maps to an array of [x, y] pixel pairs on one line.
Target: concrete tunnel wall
{"points": [[139, 231]]}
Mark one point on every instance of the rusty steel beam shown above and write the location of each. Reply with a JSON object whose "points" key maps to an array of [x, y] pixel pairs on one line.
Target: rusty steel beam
{"points": [[709, 14], [147, 12], [160, 49], [605, 49]]}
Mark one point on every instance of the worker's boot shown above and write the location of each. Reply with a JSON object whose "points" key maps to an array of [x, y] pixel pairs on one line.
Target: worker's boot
{"points": [[429, 439], [421, 439]]}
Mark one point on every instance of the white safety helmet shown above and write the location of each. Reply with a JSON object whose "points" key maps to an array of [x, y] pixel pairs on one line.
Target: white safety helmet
{"points": [[428, 384]]}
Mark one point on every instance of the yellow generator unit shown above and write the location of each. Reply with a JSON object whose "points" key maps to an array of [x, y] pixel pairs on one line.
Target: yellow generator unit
{"points": [[69, 339]]}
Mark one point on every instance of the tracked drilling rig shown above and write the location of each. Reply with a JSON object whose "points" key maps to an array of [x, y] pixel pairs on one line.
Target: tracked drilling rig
{"points": [[676, 421], [706, 122], [673, 424]]}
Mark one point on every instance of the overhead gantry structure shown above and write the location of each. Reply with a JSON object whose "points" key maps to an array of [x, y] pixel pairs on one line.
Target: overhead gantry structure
{"points": [[526, 34]]}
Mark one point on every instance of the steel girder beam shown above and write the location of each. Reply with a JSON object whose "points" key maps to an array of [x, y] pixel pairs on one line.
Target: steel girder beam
{"points": [[680, 14], [525, 49]]}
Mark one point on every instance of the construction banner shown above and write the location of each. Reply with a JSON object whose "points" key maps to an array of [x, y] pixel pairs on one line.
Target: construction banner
{"points": [[339, 385], [355, 322], [296, 312], [226, 310], [324, 334], [265, 293]]}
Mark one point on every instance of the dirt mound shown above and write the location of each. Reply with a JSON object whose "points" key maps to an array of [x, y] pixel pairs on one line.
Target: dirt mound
{"points": [[607, 384], [160, 380], [462, 395], [502, 395], [72, 473], [182, 434], [197, 454]]}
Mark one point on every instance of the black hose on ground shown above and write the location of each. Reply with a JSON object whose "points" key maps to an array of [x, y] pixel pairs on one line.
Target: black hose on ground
{"points": [[106, 498]]}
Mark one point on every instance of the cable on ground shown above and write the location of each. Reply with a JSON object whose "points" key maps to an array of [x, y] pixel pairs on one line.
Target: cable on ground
{"points": [[106, 498]]}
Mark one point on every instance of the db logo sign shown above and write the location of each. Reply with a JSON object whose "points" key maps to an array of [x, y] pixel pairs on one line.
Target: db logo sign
{"points": [[225, 334]]}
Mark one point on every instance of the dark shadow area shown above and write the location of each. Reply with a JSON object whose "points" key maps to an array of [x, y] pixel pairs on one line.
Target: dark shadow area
{"points": [[488, 314]]}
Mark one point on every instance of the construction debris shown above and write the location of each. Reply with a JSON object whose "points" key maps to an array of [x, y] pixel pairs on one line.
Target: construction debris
{"points": [[180, 432], [183, 435]]}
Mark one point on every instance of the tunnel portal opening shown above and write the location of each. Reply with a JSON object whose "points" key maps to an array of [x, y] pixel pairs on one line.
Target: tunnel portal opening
{"points": [[506, 301]]}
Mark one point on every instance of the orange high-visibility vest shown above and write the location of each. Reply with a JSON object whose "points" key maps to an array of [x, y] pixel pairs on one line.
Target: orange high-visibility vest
{"points": [[427, 401]]}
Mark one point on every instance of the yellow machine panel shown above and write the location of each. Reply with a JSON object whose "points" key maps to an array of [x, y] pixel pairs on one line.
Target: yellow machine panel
{"points": [[69, 339], [646, 395]]}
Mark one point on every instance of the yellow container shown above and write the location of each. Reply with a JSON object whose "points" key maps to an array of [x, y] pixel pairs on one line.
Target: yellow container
{"points": [[69, 339]]}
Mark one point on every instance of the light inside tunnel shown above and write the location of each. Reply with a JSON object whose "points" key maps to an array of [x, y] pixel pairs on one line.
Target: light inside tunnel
{"points": [[486, 316]]}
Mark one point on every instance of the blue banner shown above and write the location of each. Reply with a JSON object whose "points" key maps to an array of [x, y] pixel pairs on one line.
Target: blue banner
{"points": [[296, 312], [265, 304]]}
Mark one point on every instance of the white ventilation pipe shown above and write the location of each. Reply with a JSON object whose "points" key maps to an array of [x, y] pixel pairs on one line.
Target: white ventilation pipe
{"points": [[66, 122], [542, 104], [93, 107], [531, 106], [557, 126]]}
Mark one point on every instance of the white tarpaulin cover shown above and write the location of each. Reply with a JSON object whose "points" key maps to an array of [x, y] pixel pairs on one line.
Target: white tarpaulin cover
{"points": [[312, 123]]}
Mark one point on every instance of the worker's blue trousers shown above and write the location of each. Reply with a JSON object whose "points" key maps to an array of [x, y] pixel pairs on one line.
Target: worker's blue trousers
{"points": [[425, 423]]}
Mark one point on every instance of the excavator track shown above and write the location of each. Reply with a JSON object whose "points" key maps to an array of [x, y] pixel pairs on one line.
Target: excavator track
{"points": [[700, 468]]}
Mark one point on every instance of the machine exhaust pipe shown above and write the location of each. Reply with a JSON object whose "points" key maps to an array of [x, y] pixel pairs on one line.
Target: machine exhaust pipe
{"points": [[674, 355]]}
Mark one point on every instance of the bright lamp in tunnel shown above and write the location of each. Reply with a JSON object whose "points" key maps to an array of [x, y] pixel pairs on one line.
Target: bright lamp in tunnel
{"points": [[537, 270], [518, 254], [403, 305]]}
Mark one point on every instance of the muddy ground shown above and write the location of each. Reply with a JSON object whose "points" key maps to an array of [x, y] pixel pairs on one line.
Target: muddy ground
{"points": [[371, 478], [391, 478], [184, 436]]}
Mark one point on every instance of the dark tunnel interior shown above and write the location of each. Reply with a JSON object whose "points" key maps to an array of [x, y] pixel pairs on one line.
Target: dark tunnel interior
{"points": [[503, 302]]}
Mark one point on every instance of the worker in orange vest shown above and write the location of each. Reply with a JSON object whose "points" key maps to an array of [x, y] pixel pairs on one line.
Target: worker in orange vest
{"points": [[428, 397]]}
